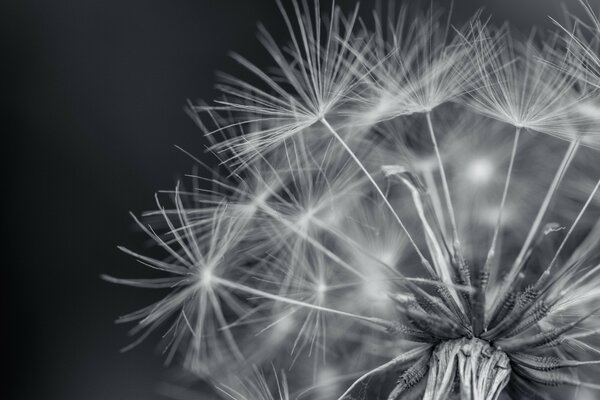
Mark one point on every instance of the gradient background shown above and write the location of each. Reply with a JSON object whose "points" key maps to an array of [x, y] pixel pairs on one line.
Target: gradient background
{"points": [[94, 105]]}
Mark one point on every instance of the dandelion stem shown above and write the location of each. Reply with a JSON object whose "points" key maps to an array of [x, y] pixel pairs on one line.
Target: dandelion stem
{"points": [[518, 264], [435, 248], [424, 261], [261, 293], [456, 241], [479, 315], [494, 242], [560, 173]]}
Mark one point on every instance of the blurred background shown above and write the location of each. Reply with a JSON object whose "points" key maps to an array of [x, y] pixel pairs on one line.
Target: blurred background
{"points": [[94, 105]]}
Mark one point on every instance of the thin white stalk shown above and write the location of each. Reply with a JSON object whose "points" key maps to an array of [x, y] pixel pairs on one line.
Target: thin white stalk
{"points": [[435, 249], [566, 162], [492, 250], [517, 265], [377, 188], [261, 293], [447, 196], [479, 315]]}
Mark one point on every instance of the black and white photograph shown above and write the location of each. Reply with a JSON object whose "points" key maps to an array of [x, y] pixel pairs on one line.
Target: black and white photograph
{"points": [[302, 199]]}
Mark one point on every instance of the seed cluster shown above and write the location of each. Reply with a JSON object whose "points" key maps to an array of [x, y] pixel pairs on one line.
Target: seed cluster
{"points": [[400, 209]]}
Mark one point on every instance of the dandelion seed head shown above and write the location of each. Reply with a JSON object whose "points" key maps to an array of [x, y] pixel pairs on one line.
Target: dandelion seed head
{"points": [[397, 218]]}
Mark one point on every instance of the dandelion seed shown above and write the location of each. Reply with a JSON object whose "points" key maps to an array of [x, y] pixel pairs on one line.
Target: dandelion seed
{"points": [[519, 88], [317, 72], [196, 304], [412, 65], [583, 45]]}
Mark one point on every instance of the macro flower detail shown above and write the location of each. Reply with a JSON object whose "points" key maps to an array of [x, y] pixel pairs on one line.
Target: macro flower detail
{"points": [[409, 211]]}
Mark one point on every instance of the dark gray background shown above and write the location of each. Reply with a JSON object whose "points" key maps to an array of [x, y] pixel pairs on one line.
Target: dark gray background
{"points": [[94, 94]]}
